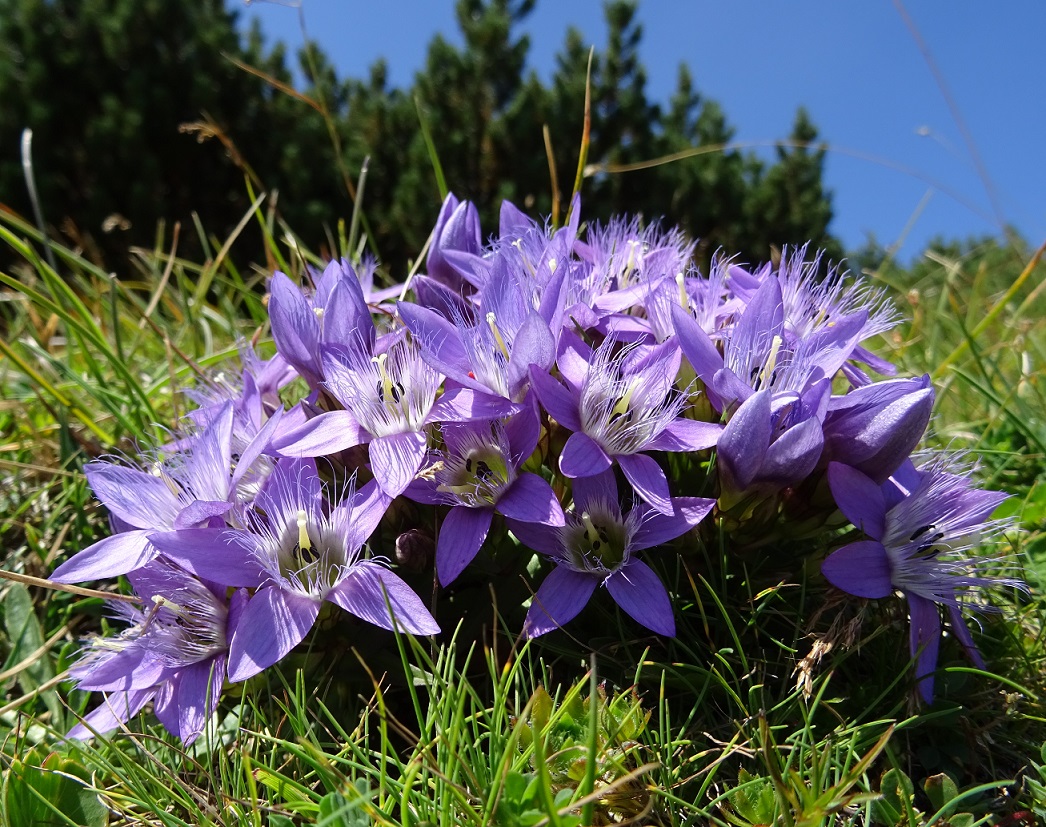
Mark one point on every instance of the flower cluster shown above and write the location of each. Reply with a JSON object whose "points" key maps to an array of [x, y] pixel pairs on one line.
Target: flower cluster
{"points": [[591, 393]]}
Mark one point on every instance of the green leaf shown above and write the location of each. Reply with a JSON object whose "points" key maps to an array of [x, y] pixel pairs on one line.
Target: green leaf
{"points": [[26, 636], [753, 799], [940, 789], [337, 811], [53, 793]]}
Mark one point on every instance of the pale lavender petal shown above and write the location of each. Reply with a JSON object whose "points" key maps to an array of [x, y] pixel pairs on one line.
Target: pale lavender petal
{"points": [[656, 528], [210, 462], [369, 591], [135, 496], [642, 595], [648, 479], [295, 328], [115, 709], [129, 669], [258, 445], [218, 554], [860, 499], [363, 512], [573, 360], [346, 317], [460, 538], [524, 429], [861, 569], [109, 557], [699, 350], [201, 511], [396, 459], [460, 404], [273, 623], [558, 600], [196, 695], [534, 345], [440, 339], [531, 500], [325, 434], [582, 456], [686, 435], [557, 400], [924, 635], [294, 483]]}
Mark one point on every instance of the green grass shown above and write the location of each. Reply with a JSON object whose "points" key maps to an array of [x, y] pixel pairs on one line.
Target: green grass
{"points": [[770, 706]]}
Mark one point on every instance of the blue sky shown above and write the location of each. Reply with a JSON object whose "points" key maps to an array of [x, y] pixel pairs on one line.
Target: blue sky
{"points": [[900, 164]]}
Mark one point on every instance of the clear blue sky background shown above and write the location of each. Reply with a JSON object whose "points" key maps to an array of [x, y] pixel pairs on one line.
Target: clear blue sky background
{"points": [[900, 165]]}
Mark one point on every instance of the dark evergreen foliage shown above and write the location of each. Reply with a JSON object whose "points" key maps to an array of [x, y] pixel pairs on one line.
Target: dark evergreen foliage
{"points": [[108, 86]]}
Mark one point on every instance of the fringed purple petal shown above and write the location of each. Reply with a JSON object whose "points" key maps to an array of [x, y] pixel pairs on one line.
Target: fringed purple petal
{"points": [[861, 569], [558, 600], [273, 623], [362, 512], [460, 538], [642, 595], [369, 592]]}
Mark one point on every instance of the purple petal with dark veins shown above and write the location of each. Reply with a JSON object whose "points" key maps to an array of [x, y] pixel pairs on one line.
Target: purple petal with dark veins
{"points": [[582, 456], [440, 340], [642, 595], [396, 459], [601, 487], [648, 479], [656, 528], [573, 360], [534, 345], [109, 557], [295, 328], [861, 569], [274, 622], [859, 498], [369, 591], [460, 538], [362, 512], [560, 403], [558, 600], [346, 316], [531, 500]]}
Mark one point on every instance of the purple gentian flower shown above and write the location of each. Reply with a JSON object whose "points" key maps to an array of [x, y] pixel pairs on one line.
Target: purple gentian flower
{"points": [[336, 313], [390, 401], [298, 552], [621, 402], [922, 527], [174, 654], [596, 547], [479, 473], [198, 487]]}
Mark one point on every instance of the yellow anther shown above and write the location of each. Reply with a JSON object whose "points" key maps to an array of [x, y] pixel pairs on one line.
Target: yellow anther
{"points": [[304, 543], [492, 323], [684, 302], [386, 380], [771, 361]]}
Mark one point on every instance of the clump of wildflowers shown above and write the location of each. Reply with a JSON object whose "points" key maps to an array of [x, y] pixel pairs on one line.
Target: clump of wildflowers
{"points": [[573, 410]]}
